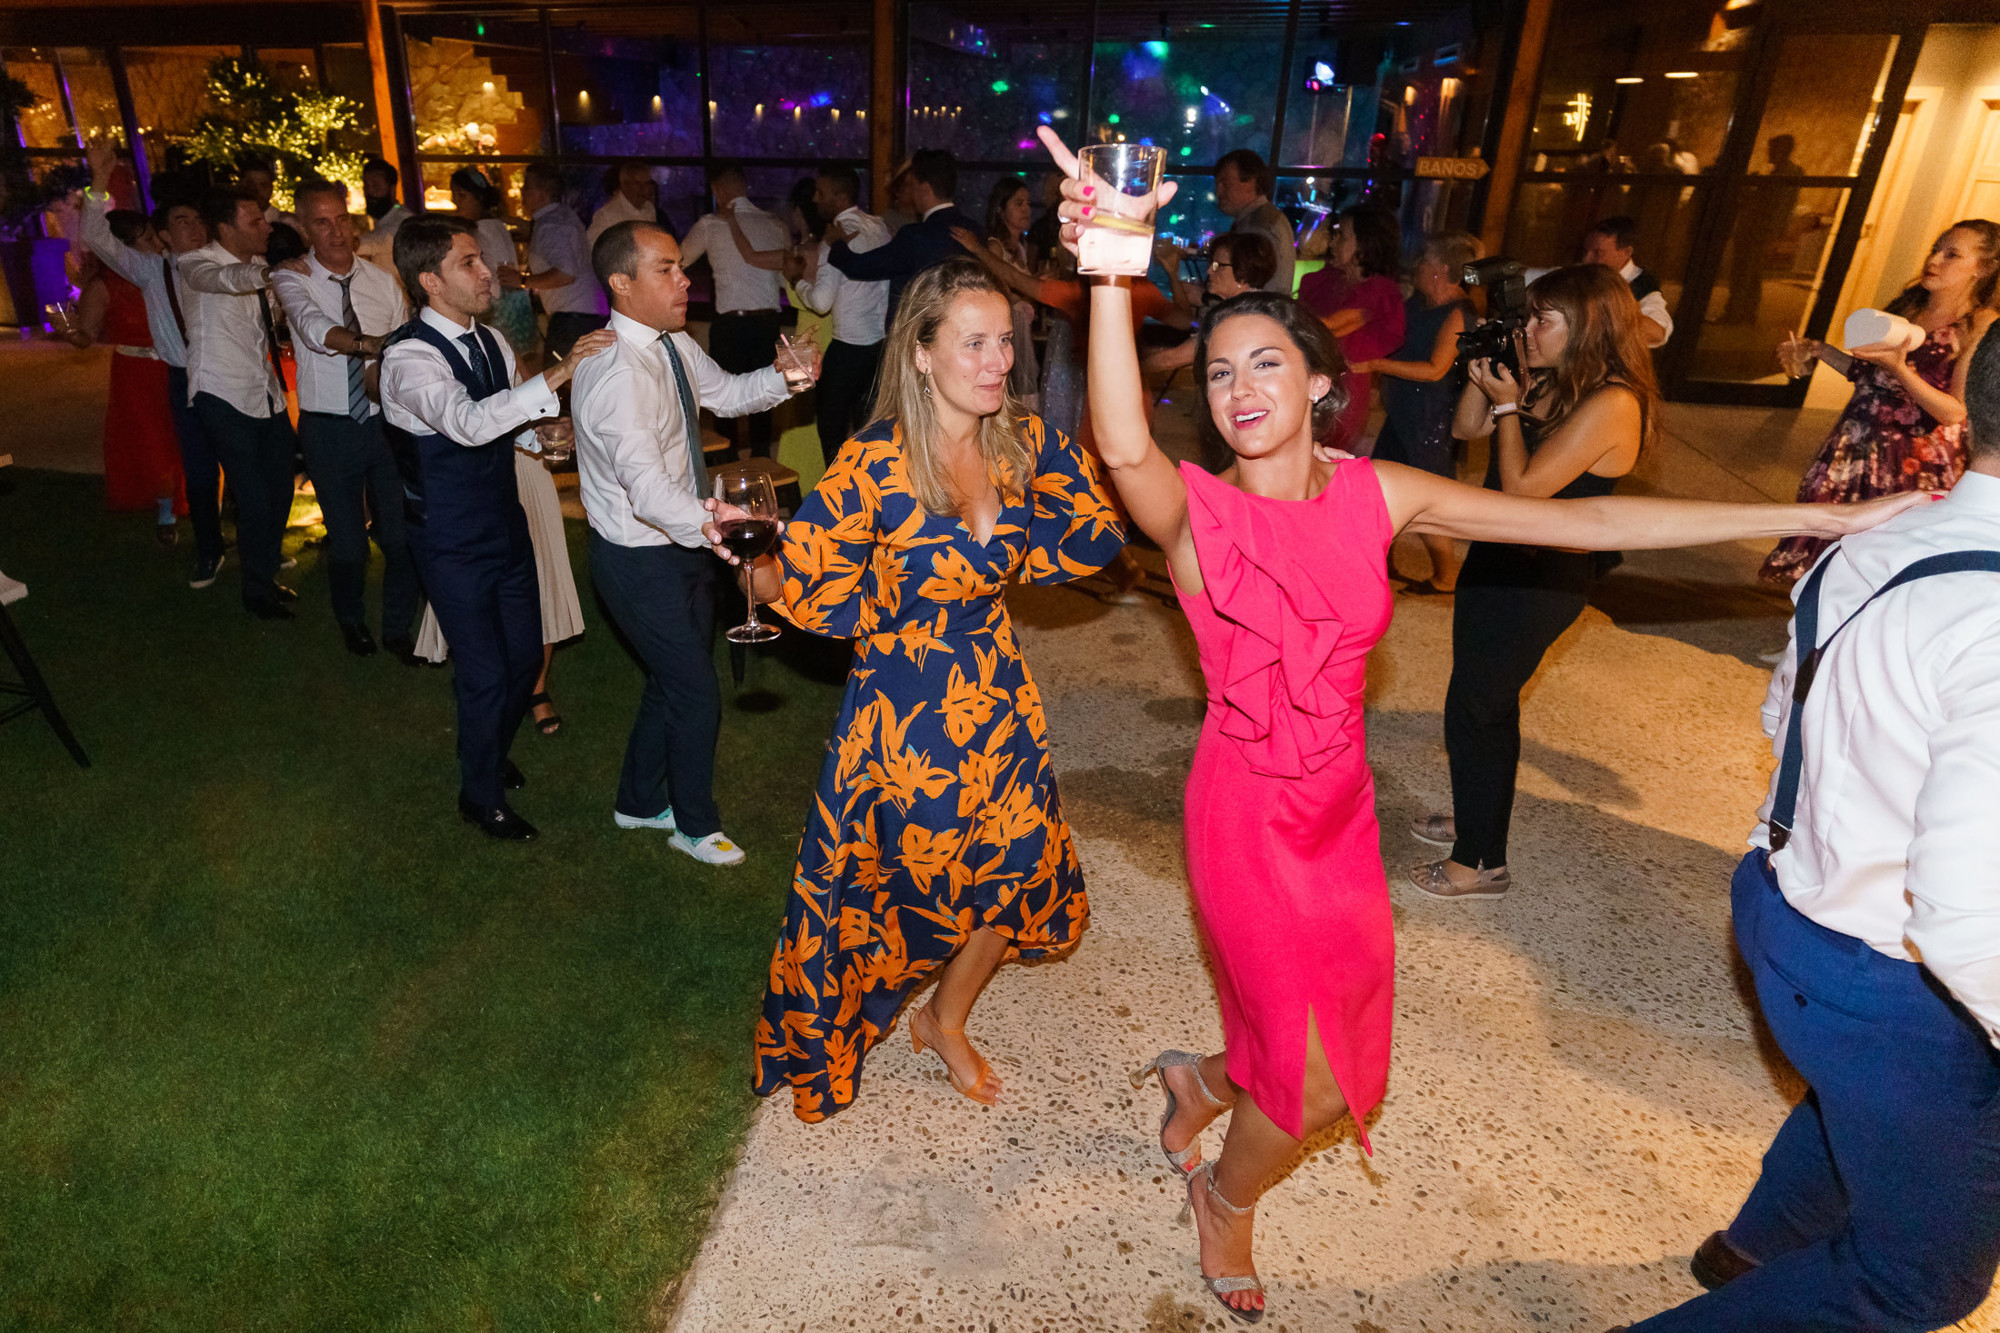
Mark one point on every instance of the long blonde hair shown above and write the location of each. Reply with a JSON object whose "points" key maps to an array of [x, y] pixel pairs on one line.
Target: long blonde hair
{"points": [[905, 396]]}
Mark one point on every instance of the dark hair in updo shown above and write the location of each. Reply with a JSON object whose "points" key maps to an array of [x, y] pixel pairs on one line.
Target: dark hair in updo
{"points": [[1307, 333]]}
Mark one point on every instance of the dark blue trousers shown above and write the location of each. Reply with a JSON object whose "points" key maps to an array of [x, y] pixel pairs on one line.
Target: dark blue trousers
{"points": [[662, 599], [355, 476], [198, 465], [1879, 1204], [259, 455], [489, 606]]}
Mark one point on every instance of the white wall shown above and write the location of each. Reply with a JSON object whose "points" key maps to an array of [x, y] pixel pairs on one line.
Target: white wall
{"points": [[1963, 60]]}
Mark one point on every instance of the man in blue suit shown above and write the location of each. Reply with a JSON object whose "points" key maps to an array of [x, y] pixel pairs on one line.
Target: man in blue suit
{"points": [[923, 244], [453, 415]]}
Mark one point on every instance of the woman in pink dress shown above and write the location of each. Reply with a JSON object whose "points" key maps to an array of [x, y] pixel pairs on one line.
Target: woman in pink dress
{"points": [[1358, 297], [1281, 563]]}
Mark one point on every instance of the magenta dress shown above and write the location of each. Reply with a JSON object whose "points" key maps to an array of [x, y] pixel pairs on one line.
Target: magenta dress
{"points": [[1282, 847], [1329, 290]]}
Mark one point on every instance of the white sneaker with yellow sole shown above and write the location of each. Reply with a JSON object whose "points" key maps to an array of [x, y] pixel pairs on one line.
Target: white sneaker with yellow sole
{"points": [[716, 849]]}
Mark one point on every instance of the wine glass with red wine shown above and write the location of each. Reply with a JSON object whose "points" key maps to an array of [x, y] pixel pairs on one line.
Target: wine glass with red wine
{"points": [[748, 535]]}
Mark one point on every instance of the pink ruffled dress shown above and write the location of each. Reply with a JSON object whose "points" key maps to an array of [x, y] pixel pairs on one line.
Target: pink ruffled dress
{"points": [[1282, 847]]}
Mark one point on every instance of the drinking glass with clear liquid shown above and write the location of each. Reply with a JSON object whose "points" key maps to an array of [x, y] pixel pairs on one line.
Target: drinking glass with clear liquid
{"points": [[1117, 237], [794, 362], [747, 535]]}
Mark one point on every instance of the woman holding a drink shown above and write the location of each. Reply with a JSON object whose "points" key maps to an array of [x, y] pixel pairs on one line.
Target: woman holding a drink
{"points": [[1281, 564]]}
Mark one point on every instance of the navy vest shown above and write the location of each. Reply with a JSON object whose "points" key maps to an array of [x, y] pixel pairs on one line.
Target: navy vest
{"points": [[458, 495], [1643, 285]]}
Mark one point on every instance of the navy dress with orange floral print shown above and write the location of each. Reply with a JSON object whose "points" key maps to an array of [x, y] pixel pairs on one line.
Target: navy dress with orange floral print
{"points": [[937, 811]]}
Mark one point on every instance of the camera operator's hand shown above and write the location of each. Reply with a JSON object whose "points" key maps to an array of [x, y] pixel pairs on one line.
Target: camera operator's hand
{"points": [[1495, 381]]}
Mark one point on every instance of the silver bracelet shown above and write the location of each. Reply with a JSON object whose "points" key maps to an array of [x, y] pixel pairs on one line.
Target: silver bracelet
{"points": [[1504, 409]]}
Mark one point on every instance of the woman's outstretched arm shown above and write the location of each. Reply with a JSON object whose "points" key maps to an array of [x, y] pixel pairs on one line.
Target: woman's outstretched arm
{"points": [[1443, 353], [1430, 504], [1147, 481]]}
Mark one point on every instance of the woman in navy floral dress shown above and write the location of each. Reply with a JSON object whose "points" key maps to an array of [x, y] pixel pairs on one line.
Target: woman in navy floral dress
{"points": [[936, 840]]}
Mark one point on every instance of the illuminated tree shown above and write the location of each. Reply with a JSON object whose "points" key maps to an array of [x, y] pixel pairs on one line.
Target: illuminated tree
{"points": [[250, 116]]}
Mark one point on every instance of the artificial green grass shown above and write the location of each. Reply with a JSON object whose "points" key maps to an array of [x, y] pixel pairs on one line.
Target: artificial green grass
{"points": [[283, 1043]]}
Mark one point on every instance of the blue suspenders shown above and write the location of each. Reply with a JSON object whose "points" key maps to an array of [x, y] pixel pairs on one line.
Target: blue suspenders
{"points": [[1784, 805]]}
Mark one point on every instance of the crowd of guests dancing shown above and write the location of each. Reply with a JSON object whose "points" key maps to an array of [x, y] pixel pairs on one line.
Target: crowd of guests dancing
{"points": [[936, 849]]}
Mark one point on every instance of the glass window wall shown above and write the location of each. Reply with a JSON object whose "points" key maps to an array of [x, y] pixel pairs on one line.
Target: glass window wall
{"points": [[795, 83], [628, 82], [478, 84], [1197, 96], [980, 88], [170, 85]]}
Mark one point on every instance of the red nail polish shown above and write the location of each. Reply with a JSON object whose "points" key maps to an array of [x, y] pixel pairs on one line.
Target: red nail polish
{"points": [[1089, 191], [1088, 210]]}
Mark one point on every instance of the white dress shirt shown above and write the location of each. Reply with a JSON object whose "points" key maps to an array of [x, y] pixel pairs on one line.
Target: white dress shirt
{"points": [[860, 309], [738, 286], [618, 209], [420, 393], [149, 273], [557, 243], [632, 440], [378, 245], [228, 353], [1652, 305], [312, 304], [1892, 836]]}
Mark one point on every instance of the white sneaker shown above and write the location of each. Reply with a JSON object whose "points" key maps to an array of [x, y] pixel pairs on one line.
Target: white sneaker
{"points": [[716, 849], [663, 820]]}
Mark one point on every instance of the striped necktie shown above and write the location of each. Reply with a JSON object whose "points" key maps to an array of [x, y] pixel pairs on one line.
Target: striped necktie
{"points": [[691, 415], [357, 372]]}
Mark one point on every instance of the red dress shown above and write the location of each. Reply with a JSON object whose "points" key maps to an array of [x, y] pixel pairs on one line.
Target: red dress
{"points": [[1329, 290], [142, 455], [1283, 853]]}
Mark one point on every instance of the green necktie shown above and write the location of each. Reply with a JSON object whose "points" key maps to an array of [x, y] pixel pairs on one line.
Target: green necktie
{"points": [[697, 466]]}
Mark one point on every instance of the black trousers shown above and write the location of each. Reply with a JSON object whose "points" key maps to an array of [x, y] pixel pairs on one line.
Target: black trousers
{"points": [[1498, 638], [356, 478], [741, 343], [662, 599], [846, 392], [489, 607], [566, 326], [198, 466], [258, 454]]}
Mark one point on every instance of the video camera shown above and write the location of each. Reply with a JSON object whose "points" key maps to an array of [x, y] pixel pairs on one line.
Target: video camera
{"points": [[1506, 284]]}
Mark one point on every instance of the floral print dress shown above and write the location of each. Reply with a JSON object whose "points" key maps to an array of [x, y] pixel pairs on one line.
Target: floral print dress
{"points": [[1883, 444], [936, 812]]}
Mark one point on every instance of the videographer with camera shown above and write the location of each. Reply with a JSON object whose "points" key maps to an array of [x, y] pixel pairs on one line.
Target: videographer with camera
{"points": [[1561, 379]]}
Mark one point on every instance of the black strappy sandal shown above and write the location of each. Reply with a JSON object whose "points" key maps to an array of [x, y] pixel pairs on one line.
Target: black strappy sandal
{"points": [[551, 724]]}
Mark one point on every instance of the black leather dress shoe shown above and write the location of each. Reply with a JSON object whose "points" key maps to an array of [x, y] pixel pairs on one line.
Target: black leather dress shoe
{"points": [[285, 594], [500, 822], [1717, 1262], [512, 778], [270, 610], [359, 641], [404, 650]]}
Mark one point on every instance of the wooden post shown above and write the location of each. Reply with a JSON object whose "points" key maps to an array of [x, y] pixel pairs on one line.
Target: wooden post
{"points": [[885, 88], [385, 103], [1523, 90]]}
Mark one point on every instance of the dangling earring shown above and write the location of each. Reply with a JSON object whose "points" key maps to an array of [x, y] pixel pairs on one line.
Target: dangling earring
{"points": [[927, 386]]}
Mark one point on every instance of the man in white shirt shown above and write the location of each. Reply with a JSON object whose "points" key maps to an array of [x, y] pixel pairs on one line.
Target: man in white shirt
{"points": [[1869, 916], [632, 201], [385, 214], [638, 457], [158, 279], [342, 310], [744, 336], [237, 389], [558, 262], [860, 309], [1611, 243], [1243, 185], [454, 414]]}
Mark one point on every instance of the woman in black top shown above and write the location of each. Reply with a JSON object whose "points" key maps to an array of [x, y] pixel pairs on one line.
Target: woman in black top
{"points": [[1421, 381], [1590, 402]]}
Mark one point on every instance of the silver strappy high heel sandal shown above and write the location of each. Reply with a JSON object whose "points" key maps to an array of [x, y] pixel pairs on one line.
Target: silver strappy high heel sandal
{"points": [[1224, 1287], [1189, 1157]]}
